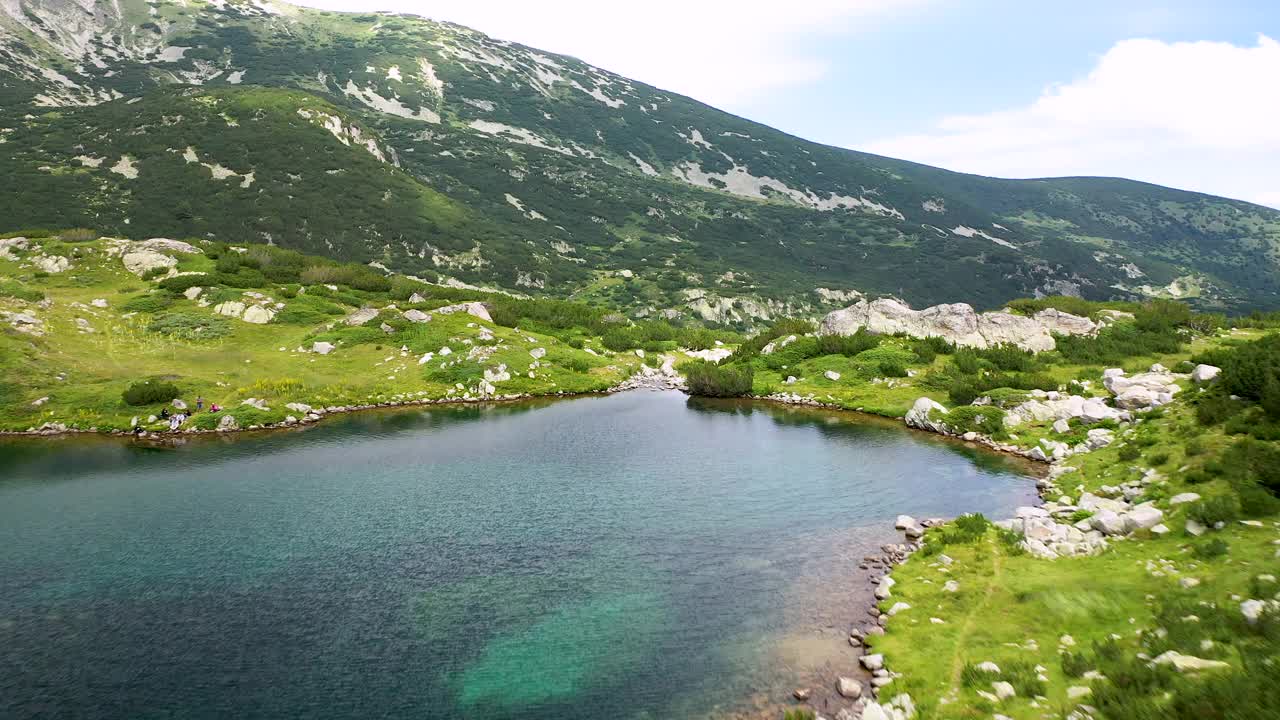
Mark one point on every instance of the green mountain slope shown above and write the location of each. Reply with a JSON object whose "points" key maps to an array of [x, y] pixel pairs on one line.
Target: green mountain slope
{"points": [[498, 164]]}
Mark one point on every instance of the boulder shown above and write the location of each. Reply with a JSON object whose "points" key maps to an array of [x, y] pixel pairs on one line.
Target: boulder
{"points": [[416, 316], [849, 688], [831, 375], [141, 262], [192, 292], [258, 315], [322, 348], [1204, 373], [1107, 522], [923, 415], [872, 662], [1142, 517], [1099, 438], [903, 522], [1252, 610], [230, 308], [1187, 663], [385, 328], [228, 422], [416, 298], [1004, 690], [475, 309], [256, 403], [179, 404], [361, 316], [1182, 498], [1061, 426], [98, 302]]}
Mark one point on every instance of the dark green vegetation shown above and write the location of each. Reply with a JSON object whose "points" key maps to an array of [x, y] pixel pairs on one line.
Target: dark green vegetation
{"points": [[436, 150], [150, 392], [711, 380]]}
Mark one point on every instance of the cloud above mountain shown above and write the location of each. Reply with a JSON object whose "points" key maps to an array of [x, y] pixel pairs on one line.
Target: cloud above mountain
{"points": [[1197, 115], [720, 52]]}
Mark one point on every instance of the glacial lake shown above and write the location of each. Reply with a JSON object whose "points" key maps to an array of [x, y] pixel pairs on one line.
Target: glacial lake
{"points": [[642, 555]]}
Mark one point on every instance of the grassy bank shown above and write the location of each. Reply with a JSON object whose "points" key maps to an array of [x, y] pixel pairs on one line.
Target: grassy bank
{"points": [[1083, 634], [74, 339]]}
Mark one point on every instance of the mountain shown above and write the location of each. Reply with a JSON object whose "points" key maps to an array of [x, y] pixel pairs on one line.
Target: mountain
{"points": [[434, 150]]}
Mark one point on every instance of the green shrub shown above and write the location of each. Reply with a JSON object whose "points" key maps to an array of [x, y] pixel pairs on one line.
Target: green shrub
{"points": [[711, 380], [1210, 510], [15, 289], [190, 326], [1129, 453], [150, 303], [1074, 664], [1216, 547], [893, 369], [181, 283], [983, 419], [847, 345], [576, 364], [150, 392]]}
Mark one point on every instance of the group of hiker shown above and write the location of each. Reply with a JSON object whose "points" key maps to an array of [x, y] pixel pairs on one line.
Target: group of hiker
{"points": [[176, 419]]}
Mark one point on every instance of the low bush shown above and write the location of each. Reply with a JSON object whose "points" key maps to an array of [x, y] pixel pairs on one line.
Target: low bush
{"points": [[893, 369], [1214, 548], [190, 326], [847, 345], [15, 289], [711, 380], [181, 283], [983, 419], [149, 303], [1210, 510], [150, 392]]}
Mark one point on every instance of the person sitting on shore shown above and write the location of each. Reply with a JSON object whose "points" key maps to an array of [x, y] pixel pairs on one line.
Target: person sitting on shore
{"points": [[214, 407], [164, 413]]}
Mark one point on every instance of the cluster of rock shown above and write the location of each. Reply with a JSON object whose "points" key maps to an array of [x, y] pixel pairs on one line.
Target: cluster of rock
{"points": [[663, 377], [24, 322], [256, 308], [1142, 391], [141, 257], [1056, 406], [957, 323]]}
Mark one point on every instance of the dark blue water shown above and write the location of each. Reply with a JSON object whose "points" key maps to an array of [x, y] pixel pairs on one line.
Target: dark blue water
{"points": [[636, 556]]}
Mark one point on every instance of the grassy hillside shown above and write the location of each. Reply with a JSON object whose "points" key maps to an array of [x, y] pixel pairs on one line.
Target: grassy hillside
{"points": [[74, 340], [504, 165]]}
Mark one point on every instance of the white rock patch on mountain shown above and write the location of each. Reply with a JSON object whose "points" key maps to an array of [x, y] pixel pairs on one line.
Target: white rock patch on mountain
{"points": [[958, 323]]}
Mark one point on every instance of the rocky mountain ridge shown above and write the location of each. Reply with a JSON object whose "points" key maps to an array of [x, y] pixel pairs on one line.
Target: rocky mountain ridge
{"points": [[433, 149]]}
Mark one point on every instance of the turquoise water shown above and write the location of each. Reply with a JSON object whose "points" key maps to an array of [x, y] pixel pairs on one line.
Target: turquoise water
{"points": [[643, 555]]}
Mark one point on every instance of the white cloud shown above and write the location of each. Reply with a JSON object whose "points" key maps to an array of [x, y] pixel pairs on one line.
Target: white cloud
{"points": [[722, 52], [1197, 115]]}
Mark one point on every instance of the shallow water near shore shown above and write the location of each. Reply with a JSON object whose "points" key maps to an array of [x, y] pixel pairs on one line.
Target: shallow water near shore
{"points": [[641, 555]]}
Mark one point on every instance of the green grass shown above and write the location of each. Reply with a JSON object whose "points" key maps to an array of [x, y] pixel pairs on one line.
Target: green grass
{"points": [[226, 360]]}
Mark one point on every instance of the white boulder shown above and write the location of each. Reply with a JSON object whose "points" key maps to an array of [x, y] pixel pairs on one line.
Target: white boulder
{"points": [[1204, 373], [141, 262], [258, 315]]}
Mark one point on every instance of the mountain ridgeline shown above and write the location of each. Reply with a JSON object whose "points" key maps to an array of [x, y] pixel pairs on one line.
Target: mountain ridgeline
{"points": [[434, 150]]}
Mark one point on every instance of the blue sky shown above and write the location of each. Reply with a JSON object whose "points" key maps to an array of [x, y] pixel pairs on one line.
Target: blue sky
{"points": [[1177, 92], [903, 72]]}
